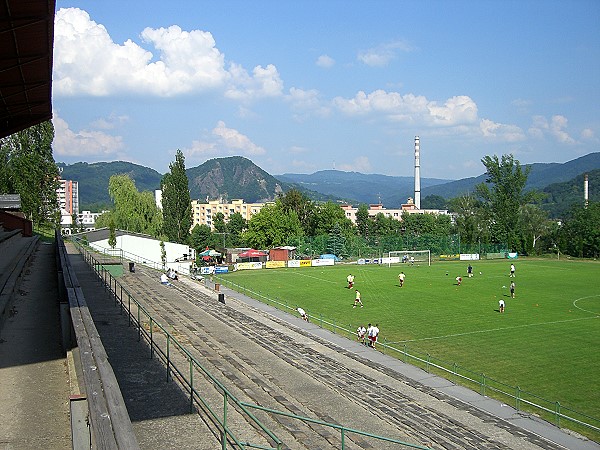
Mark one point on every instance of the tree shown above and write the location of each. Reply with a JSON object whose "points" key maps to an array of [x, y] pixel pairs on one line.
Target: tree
{"points": [[362, 220], [505, 197], [112, 237], [471, 222], [163, 254], [219, 223], [337, 243], [176, 202], [200, 237], [533, 225], [434, 202], [134, 211], [272, 227], [296, 201], [325, 216], [580, 234], [236, 226], [27, 168]]}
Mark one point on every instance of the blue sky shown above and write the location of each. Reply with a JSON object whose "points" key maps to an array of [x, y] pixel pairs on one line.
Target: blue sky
{"points": [[302, 86]]}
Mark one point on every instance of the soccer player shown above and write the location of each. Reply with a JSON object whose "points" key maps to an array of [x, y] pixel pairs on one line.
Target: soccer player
{"points": [[373, 335], [512, 270], [401, 277], [512, 289], [350, 279], [361, 331], [470, 270], [458, 281], [357, 300], [501, 305]]}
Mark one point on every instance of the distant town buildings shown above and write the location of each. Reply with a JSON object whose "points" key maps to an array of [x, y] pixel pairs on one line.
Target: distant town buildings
{"points": [[67, 194], [409, 207], [204, 213]]}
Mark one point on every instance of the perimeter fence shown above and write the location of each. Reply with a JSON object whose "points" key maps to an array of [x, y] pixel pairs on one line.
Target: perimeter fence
{"points": [[520, 399], [188, 371]]}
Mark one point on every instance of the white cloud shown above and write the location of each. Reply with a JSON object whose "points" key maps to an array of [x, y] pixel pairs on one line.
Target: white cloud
{"points": [[264, 82], [503, 132], [554, 128], [381, 55], [325, 61], [521, 105], [84, 143], [588, 134], [306, 102], [224, 141], [109, 123], [410, 108], [88, 62]]}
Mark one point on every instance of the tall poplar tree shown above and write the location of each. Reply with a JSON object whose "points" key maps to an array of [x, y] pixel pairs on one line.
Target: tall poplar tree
{"points": [[176, 201], [504, 194], [27, 168]]}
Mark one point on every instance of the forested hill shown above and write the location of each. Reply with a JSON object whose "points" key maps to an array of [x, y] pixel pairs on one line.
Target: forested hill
{"points": [[93, 180], [237, 177], [561, 197], [229, 178], [232, 178], [541, 175]]}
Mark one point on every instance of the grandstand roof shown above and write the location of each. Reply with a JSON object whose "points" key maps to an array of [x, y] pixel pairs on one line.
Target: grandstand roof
{"points": [[26, 49]]}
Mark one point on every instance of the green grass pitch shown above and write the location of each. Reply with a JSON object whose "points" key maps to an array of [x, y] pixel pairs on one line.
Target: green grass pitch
{"points": [[547, 341]]}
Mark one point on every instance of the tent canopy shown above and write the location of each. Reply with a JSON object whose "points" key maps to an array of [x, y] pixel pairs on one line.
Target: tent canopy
{"points": [[209, 252], [329, 256]]}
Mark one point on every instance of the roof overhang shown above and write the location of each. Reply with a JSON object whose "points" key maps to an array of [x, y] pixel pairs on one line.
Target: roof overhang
{"points": [[26, 44]]}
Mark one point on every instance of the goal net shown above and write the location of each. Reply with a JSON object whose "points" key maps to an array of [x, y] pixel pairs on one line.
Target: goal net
{"points": [[409, 257]]}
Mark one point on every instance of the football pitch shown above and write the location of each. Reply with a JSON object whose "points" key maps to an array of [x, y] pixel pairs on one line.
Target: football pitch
{"points": [[546, 342]]}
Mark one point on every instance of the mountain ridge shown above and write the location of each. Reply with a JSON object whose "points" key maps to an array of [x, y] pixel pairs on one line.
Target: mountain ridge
{"points": [[238, 177]]}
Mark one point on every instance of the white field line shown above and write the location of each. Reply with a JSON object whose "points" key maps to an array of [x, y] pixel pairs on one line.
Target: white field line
{"points": [[317, 278], [583, 298], [493, 330]]}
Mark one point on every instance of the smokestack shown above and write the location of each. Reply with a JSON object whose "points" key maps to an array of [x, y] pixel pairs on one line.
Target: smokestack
{"points": [[417, 174], [585, 190]]}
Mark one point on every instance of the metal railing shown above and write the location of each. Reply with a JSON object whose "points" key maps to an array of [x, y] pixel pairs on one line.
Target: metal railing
{"points": [[108, 423], [162, 343], [124, 255], [487, 386]]}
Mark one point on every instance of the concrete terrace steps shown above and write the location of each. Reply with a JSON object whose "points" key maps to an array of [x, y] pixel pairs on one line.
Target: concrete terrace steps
{"points": [[16, 251], [224, 355], [348, 388]]}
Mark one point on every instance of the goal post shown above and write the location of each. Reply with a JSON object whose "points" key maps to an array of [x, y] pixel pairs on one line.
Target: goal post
{"points": [[409, 257]]}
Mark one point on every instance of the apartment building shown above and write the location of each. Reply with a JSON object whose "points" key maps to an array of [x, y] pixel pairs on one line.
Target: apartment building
{"points": [[408, 207], [203, 213]]}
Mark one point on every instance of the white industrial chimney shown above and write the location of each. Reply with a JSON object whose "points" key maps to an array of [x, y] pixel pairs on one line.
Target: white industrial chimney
{"points": [[417, 174], [585, 190]]}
